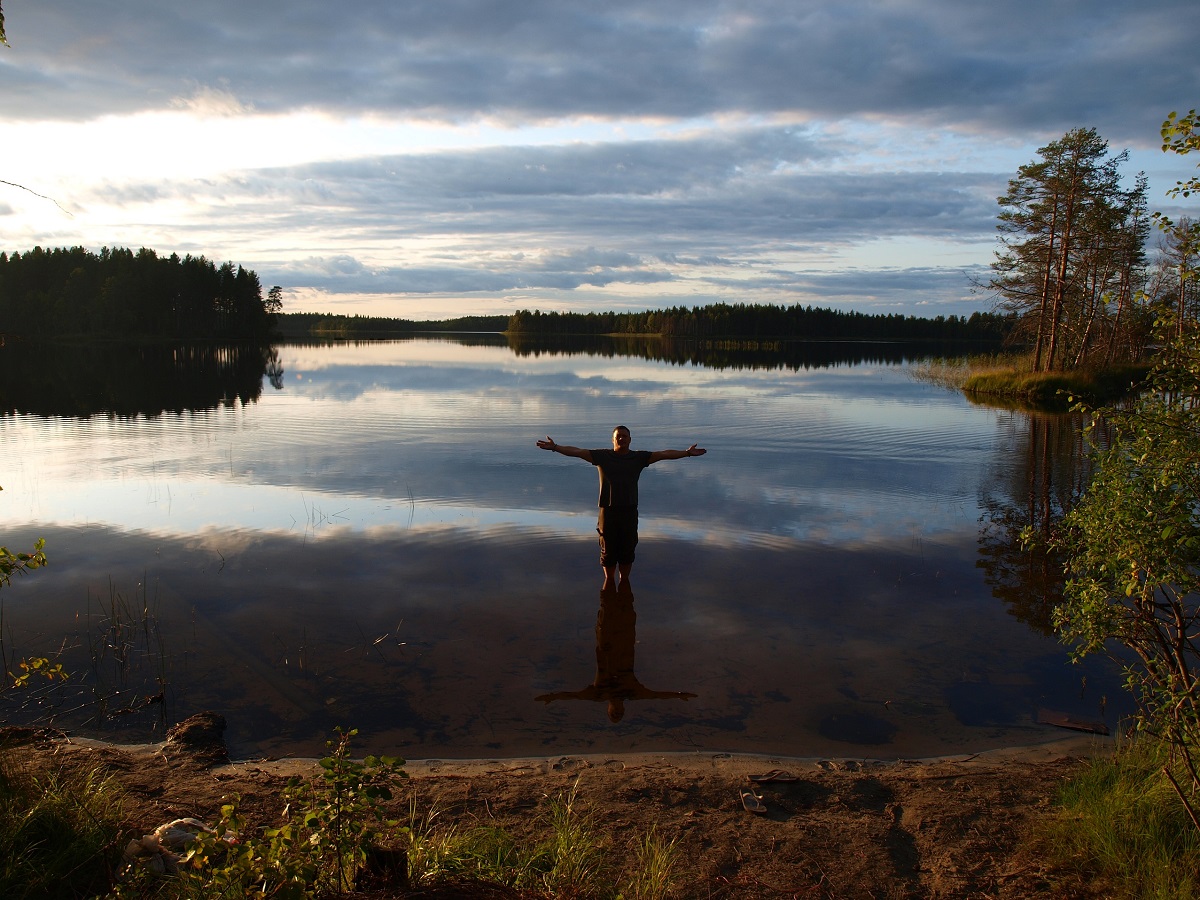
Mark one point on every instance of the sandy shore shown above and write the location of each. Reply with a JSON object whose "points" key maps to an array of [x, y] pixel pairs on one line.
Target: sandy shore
{"points": [[843, 828]]}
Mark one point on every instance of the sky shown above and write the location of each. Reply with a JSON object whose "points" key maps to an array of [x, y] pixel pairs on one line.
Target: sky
{"points": [[430, 160]]}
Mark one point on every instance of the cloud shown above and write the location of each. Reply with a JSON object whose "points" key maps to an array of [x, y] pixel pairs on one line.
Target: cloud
{"points": [[211, 102], [573, 154], [657, 191], [993, 66], [741, 215]]}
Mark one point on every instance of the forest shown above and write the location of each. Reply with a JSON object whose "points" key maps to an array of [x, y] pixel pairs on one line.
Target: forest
{"points": [[117, 292], [764, 321], [333, 325], [742, 321]]}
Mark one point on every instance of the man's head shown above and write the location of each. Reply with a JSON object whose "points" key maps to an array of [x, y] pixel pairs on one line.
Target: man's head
{"points": [[621, 438]]}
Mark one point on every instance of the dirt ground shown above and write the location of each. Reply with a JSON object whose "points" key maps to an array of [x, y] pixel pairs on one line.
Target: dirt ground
{"points": [[948, 828]]}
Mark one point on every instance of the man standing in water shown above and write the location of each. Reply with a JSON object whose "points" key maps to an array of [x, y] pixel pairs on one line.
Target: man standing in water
{"points": [[620, 468]]}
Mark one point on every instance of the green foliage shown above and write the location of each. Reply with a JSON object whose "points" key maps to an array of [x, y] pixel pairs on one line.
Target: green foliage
{"points": [[59, 837], [329, 825], [1133, 545], [20, 563], [40, 666], [1181, 135], [343, 816], [1121, 825]]}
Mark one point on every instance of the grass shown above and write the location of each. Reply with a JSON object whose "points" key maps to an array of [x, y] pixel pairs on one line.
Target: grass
{"points": [[954, 371], [654, 875], [59, 838], [1123, 825], [1009, 378], [573, 860], [64, 838]]}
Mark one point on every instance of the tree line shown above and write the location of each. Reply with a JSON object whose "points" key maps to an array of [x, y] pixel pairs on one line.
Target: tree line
{"points": [[755, 322], [763, 321], [119, 292], [338, 326]]}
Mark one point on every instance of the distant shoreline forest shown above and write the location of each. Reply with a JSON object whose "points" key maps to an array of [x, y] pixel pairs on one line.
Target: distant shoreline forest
{"points": [[66, 292], [740, 321]]}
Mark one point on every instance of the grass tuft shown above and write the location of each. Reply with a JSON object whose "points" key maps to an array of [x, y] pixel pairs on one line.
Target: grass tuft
{"points": [[1009, 379], [1123, 825], [59, 837], [573, 860], [953, 372], [574, 849], [1057, 390], [654, 876]]}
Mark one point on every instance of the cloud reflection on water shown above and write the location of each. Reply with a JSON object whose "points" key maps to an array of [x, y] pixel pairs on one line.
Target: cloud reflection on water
{"points": [[436, 645], [839, 454], [380, 545]]}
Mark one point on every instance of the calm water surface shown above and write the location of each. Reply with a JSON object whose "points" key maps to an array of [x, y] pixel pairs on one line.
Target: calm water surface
{"points": [[369, 538]]}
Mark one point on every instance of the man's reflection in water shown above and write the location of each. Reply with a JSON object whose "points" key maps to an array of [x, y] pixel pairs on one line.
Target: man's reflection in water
{"points": [[616, 624]]}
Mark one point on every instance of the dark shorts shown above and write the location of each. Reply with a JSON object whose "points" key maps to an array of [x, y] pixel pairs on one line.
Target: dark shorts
{"points": [[618, 534]]}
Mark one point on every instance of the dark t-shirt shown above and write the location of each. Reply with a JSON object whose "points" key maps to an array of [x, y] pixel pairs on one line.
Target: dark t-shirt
{"points": [[619, 475]]}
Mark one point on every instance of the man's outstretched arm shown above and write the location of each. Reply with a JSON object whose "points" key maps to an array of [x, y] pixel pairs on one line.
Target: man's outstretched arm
{"points": [[565, 450], [676, 454]]}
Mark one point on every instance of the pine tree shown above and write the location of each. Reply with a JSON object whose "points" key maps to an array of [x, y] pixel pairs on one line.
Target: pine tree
{"points": [[1072, 250]]}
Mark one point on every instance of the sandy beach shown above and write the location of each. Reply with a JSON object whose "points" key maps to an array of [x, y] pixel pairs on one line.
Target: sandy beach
{"points": [[843, 828]]}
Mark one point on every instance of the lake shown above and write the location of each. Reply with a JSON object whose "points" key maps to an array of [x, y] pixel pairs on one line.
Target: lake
{"points": [[365, 535]]}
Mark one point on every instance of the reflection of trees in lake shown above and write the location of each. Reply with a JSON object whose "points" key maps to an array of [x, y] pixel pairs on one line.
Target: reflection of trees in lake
{"points": [[87, 379], [739, 354], [1044, 476]]}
